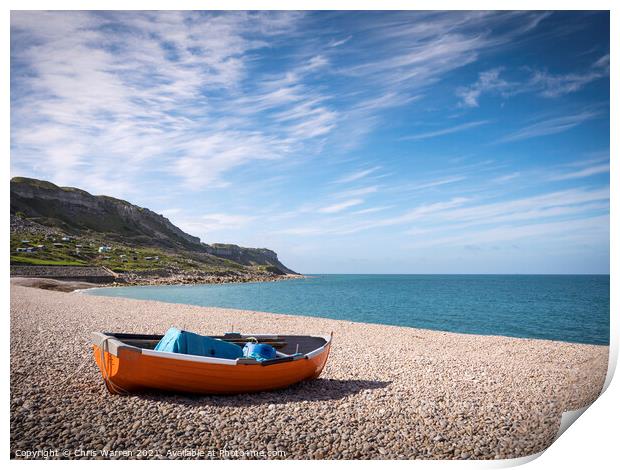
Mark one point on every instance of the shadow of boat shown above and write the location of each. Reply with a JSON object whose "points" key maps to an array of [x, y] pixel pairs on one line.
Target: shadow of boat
{"points": [[309, 391]]}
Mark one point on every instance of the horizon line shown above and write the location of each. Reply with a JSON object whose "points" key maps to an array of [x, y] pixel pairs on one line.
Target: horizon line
{"points": [[456, 274]]}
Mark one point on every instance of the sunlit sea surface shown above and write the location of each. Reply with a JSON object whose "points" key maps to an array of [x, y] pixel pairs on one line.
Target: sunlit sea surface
{"points": [[567, 308]]}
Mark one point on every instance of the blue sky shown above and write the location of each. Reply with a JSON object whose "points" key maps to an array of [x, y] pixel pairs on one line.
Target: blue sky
{"points": [[349, 142]]}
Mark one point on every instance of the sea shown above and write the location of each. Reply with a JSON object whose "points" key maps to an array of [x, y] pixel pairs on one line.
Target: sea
{"points": [[572, 308]]}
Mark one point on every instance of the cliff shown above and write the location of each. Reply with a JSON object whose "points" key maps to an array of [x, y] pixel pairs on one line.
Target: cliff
{"points": [[249, 256], [75, 212]]}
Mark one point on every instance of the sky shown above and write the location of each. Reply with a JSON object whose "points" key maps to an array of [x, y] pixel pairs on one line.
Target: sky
{"points": [[348, 142]]}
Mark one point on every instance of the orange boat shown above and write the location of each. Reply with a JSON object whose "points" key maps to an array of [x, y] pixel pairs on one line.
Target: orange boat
{"points": [[129, 363]]}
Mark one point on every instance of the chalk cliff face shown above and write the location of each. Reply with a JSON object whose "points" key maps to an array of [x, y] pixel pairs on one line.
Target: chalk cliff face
{"points": [[78, 212], [249, 256]]}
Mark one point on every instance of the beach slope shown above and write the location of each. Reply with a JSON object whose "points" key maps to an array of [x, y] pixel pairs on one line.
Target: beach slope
{"points": [[386, 392]]}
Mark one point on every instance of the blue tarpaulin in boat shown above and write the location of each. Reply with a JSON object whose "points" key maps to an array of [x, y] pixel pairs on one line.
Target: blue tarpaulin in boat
{"points": [[260, 352], [184, 342]]}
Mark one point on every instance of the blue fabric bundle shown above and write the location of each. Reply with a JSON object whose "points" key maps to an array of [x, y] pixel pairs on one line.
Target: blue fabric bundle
{"points": [[184, 342], [260, 352]]}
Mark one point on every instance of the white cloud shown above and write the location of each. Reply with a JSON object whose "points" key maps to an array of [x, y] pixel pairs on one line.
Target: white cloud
{"points": [[507, 177], [445, 131], [419, 212], [550, 126], [540, 82], [358, 191], [347, 228], [488, 81], [137, 97], [357, 175], [552, 86], [179, 94], [207, 224], [155, 104], [418, 48], [340, 206], [527, 208], [459, 213], [587, 228], [340, 42], [588, 171], [439, 182], [371, 210]]}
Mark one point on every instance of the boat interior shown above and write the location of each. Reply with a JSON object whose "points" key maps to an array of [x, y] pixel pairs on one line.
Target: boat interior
{"points": [[284, 344]]}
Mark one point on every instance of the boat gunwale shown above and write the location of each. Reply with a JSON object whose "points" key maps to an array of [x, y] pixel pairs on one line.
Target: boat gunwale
{"points": [[113, 345]]}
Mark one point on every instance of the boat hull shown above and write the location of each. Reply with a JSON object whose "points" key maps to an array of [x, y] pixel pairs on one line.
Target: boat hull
{"points": [[128, 369]]}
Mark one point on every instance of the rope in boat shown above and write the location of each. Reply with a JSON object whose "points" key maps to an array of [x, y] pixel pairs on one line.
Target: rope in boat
{"points": [[106, 376]]}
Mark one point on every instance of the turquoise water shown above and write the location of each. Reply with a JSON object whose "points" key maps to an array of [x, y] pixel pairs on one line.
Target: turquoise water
{"points": [[565, 308]]}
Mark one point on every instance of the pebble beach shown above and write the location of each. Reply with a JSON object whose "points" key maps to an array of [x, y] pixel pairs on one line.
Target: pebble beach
{"points": [[386, 392]]}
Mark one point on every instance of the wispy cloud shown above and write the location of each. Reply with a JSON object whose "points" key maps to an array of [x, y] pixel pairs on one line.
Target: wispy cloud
{"points": [[459, 213], [508, 177], [155, 117], [439, 182], [579, 230], [182, 94], [550, 126], [540, 82], [340, 42], [419, 212], [445, 131], [554, 85], [348, 228], [340, 206], [209, 225], [370, 210], [489, 81], [526, 208], [358, 191], [588, 171], [357, 175], [245, 126], [419, 48]]}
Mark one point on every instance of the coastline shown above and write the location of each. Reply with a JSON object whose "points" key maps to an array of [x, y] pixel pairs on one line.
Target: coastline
{"points": [[135, 279], [386, 392], [70, 286]]}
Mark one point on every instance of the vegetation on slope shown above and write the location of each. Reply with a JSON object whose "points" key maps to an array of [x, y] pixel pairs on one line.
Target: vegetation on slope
{"points": [[58, 225], [121, 258]]}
